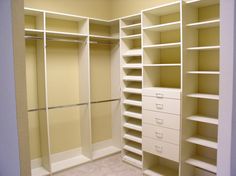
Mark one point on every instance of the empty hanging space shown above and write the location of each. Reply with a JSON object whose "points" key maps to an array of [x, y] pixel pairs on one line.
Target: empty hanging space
{"points": [[105, 97]]}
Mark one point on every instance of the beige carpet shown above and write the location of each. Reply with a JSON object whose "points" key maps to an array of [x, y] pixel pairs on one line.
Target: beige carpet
{"points": [[109, 166]]}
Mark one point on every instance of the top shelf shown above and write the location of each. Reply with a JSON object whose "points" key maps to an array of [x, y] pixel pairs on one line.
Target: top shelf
{"points": [[205, 24], [201, 3]]}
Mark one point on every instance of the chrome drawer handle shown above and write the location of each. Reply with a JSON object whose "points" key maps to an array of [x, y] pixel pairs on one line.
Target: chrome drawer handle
{"points": [[159, 121], [159, 135], [158, 148], [159, 95], [159, 106]]}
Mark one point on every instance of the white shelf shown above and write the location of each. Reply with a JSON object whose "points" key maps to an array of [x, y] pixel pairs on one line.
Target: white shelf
{"points": [[132, 161], [133, 78], [204, 96], [133, 149], [132, 102], [166, 45], [133, 52], [204, 72], [161, 65], [132, 66], [160, 171], [133, 126], [133, 114], [132, 26], [100, 37], [204, 141], [132, 90], [164, 27], [133, 138], [105, 152], [202, 3], [131, 37], [203, 163], [205, 24], [68, 163], [33, 31], [204, 119], [39, 171], [65, 34], [204, 48]]}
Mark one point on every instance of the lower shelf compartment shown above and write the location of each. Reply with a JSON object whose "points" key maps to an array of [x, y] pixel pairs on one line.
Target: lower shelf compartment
{"points": [[106, 151], [133, 159], [40, 171], [160, 171]]}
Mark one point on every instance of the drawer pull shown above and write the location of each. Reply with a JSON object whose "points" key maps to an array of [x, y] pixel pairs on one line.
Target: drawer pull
{"points": [[159, 135], [159, 106], [158, 148], [159, 121], [159, 95]]}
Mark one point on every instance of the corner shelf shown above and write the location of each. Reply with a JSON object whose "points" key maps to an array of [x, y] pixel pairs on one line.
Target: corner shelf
{"points": [[204, 96], [103, 38], [205, 24], [132, 26], [204, 141], [203, 119], [164, 27], [203, 163], [131, 37]]}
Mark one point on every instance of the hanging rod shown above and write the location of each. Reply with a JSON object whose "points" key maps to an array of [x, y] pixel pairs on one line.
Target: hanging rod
{"points": [[73, 105]]}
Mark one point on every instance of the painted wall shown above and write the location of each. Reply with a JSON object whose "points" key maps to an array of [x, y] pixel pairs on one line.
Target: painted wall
{"points": [[90, 8]]}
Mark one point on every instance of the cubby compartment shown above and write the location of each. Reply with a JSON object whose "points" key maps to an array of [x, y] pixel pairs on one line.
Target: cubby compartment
{"points": [[133, 123], [132, 111], [155, 166], [132, 158], [133, 147], [34, 21], [66, 25], [130, 21], [168, 77]]}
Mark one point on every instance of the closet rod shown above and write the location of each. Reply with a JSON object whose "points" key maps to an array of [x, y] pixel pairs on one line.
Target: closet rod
{"points": [[104, 101]]}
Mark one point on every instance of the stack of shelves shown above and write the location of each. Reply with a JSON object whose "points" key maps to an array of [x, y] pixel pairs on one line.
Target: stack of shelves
{"points": [[161, 95], [201, 86], [131, 72]]}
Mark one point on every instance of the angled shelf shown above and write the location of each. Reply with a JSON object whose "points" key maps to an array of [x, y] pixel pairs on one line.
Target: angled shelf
{"points": [[205, 24], [133, 137], [133, 125], [204, 119], [135, 115], [164, 27], [132, 102], [132, 148], [203, 163], [132, 66], [132, 160], [133, 78], [132, 90], [204, 141], [204, 96]]}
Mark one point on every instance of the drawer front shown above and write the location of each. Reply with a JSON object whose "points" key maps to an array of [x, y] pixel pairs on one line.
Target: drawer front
{"points": [[160, 133], [162, 93], [162, 149], [161, 105], [161, 119]]}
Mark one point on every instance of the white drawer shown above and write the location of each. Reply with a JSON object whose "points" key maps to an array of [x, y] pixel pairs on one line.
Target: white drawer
{"points": [[162, 149], [161, 119], [160, 133], [161, 105], [162, 93]]}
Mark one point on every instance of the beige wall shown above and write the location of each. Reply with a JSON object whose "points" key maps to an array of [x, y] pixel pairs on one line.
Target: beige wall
{"points": [[90, 8]]}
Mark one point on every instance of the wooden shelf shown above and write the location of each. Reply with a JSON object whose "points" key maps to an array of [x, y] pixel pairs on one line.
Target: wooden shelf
{"points": [[204, 72], [204, 141], [132, 102], [103, 38], [166, 45], [133, 52], [33, 31], [203, 163], [204, 96], [133, 138], [160, 170], [132, 26], [66, 34], [132, 161], [204, 48], [132, 90], [133, 78], [133, 114], [132, 66], [204, 119], [201, 3], [132, 125], [133, 149], [132, 37], [205, 24], [164, 27], [161, 65]]}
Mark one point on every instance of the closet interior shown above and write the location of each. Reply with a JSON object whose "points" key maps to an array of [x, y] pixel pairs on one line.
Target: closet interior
{"points": [[145, 85]]}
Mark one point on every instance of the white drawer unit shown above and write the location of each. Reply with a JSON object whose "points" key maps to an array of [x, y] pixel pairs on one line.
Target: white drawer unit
{"points": [[166, 105], [163, 149], [160, 133], [162, 93], [161, 119]]}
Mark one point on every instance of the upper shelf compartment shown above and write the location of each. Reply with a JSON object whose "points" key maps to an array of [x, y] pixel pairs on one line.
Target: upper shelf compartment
{"points": [[201, 3], [65, 25], [131, 26], [162, 14]]}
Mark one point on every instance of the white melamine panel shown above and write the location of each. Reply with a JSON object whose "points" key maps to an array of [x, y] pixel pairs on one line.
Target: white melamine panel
{"points": [[165, 150], [171, 106], [162, 92], [161, 119], [161, 134]]}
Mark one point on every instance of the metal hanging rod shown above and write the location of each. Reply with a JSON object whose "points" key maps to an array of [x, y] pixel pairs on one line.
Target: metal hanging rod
{"points": [[73, 105]]}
